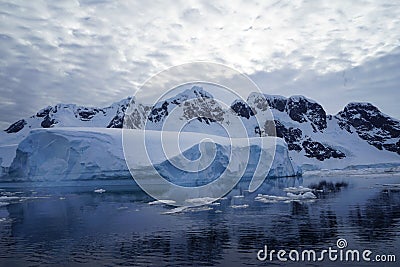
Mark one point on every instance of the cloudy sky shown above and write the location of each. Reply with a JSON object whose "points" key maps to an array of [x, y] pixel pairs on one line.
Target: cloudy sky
{"points": [[96, 52]]}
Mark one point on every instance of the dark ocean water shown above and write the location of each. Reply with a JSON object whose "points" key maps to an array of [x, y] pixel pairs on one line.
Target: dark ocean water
{"points": [[71, 225]]}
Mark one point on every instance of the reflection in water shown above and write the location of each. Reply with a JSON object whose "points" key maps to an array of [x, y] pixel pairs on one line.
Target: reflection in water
{"points": [[378, 217], [324, 188], [76, 226]]}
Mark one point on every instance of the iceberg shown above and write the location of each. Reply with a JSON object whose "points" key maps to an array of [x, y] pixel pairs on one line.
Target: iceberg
{"points": [[66, 154]]}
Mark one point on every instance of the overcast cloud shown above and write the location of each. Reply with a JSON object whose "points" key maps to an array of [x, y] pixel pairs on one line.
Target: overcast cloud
{"points": [[97, 52]]}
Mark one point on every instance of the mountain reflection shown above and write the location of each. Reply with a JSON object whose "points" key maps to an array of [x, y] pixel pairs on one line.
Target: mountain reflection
{"points": [[119, 227], [378, 216]]}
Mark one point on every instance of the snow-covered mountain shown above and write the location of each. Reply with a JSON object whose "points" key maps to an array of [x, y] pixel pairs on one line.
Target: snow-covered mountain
{"points": [[70, 115], [358, 135]]}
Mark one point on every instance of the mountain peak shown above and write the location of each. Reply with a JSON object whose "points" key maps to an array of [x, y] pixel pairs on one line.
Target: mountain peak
{"points": [[298, 98], [194, 92], [361, 105], [371, 125]]}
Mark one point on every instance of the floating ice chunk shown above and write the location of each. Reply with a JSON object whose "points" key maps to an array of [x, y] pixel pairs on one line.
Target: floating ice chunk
{"points": [[289, 197], [8, 198], [201, 208], [307, 195], [28, 198], [265, 200], [299, 189], [240, 206], [200, 201], [2, 204], [261, 197], [175, 210], [100, 190], [162, 201]]}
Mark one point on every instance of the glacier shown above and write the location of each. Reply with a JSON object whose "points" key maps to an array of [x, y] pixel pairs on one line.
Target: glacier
{"points": [[66, 154]]}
